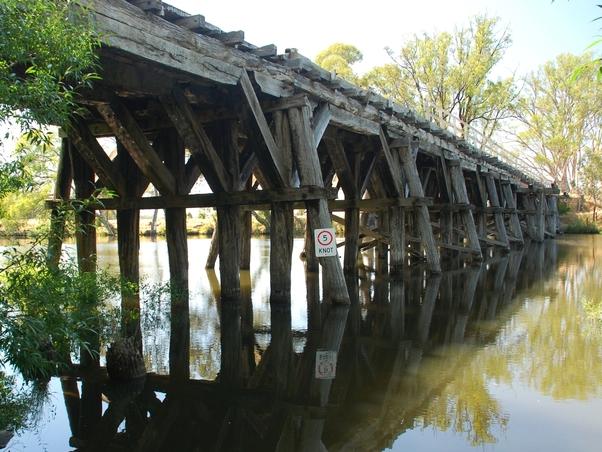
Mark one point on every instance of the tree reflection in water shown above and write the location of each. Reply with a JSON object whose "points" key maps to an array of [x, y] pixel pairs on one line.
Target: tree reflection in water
{"points": [[413, 353]]}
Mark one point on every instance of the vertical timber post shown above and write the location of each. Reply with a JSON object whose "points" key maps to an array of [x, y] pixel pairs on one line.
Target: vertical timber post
{"points": [[459, 187], [62, 191], [554, 214], [352, 225], [502, 235], [177, 250], [408, 162], [128, 247], [85, 238], [382, 247], [540, 219], [529, 205], [213, 249], [398, 240], [245, 235], [515, 228], [310, 173], [229, 227]]}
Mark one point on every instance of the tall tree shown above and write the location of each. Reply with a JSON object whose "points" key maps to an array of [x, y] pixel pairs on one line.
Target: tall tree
{"points": [[340, 58], [448, 75], [561, 116]]}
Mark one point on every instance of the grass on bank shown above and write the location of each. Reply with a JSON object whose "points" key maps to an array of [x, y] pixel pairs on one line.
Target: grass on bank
{"points": [[579, 226]]}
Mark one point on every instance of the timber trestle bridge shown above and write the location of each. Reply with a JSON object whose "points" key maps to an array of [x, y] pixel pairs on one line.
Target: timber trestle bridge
{"points": [[184, 100]]}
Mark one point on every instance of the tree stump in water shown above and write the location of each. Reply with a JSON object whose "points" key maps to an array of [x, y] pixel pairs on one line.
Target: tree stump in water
{"points": [[124, 360]]}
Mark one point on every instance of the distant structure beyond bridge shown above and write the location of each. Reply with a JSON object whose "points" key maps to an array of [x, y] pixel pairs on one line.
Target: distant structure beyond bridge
{"points": [[185, 99]]}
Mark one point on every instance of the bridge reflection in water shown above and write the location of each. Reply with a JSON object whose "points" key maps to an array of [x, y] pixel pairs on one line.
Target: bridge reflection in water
{"points": [[412, 352]]}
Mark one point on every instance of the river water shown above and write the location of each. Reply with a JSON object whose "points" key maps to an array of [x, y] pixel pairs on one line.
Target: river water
{"points": [[502, 357]]}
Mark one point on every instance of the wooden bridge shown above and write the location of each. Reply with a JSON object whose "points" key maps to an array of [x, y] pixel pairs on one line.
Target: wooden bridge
{"points": [[185, 100]]}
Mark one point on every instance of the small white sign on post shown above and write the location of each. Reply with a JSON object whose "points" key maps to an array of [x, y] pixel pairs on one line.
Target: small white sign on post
{"points": [[325, 242], [326, 364]]}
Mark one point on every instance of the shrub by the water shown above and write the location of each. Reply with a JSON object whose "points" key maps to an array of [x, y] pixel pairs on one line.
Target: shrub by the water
{"points": [[582, 227]]}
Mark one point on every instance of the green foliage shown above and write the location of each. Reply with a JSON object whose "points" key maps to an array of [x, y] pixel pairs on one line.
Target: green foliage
{"points": [[582, 227], [593, 309], [14, 405], [47, 314], [340, 58], [447, 74], [47, 53], [563, 208], [561, 116], [13, 177]]}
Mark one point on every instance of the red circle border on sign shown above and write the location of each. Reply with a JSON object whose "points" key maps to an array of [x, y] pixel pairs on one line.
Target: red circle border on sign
{"points": [[330, 234]]}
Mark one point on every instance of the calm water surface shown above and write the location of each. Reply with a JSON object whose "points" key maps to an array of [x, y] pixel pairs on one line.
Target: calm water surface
{"points": [[502, 357]]}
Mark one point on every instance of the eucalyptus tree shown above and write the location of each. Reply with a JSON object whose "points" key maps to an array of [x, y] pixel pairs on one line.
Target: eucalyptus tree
{"points": [[446, 74], [561, 118]]}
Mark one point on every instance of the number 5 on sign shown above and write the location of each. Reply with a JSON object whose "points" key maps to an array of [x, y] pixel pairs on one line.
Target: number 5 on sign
{"points": [[325, 242]]}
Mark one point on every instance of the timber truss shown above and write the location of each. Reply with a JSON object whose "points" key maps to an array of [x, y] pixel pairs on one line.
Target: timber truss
{"points": [[184, 99]]}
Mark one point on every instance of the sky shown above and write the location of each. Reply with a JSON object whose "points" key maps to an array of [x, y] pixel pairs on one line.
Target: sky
{"points": [[541, 29]]}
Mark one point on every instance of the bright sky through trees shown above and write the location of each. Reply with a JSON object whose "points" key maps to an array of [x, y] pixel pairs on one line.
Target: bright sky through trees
{"points": [[540, 29]]}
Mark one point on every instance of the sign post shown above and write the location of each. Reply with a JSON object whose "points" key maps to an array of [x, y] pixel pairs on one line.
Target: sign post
{"points": [[325, 242]]}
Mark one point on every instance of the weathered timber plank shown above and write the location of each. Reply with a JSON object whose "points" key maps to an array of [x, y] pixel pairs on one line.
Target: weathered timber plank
{"points": [[346, 120], [193, 23], [284, 103], [268, 50], [96, 157], [253, 198], [196, 140], [125, 128], [159, 41], [271, 162], [272, 86], [379, 203], [229, 38]]}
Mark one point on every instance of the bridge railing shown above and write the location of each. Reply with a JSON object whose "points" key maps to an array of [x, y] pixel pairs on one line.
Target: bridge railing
{"points": [[488, 145]]}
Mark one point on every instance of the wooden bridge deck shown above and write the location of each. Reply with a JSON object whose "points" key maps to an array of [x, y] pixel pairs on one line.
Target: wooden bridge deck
{"points": [[184, 99]]}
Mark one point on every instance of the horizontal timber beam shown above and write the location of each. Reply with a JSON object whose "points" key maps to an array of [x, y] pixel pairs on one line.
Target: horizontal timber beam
{"points": [[257, 197]]}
